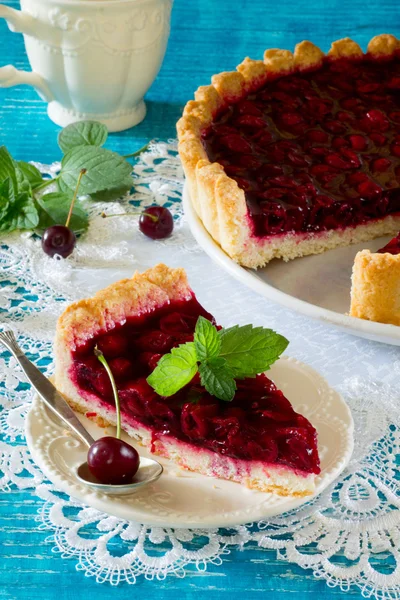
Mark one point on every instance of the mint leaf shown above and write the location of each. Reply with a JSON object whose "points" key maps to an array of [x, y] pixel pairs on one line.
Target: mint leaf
{"points": [[21, 214], [83, 133], [4, 207], [217, 378], [53, 209], [23, 184], [206, 340], [105, 170], [115, 192], [174, 370], [31, 173], [250, 350], [7, 167], [5, 189]]}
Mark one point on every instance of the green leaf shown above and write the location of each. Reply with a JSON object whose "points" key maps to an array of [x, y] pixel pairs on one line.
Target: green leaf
{"points": [[217, 378], [250, 350], [7, 167], [206, 340], [113, 193], [4, 207], [6, 194], [53, 209], [84, 133], [21, 214], [23, 184], [7, 190], [105, 170], [31, 173], [174, 370]]}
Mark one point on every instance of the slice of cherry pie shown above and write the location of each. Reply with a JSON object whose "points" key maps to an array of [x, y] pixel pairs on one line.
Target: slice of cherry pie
{"points": [[257, 439], [298, 153]]}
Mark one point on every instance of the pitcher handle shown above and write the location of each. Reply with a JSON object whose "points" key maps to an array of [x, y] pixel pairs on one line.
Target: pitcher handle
{"points": [[18, 21], [10, 76], [21, 22]]}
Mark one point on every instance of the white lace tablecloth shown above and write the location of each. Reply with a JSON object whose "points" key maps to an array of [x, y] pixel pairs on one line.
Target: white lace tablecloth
{"points": [[350, 535]]}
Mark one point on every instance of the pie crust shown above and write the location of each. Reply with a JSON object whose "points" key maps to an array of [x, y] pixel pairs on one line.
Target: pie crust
{"points": [[143, 294], [219, 201], [375, 291]]}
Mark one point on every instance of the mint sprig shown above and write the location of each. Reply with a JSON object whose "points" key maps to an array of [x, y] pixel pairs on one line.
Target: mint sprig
{"points": [[24, 201], [219, 357]]}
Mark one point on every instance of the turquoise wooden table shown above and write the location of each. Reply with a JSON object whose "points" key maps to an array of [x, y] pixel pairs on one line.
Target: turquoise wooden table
{"points": [[207, 36]]}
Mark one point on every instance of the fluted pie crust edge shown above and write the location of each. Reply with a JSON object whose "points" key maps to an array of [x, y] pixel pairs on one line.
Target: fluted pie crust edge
{"points": [[218, 200]]}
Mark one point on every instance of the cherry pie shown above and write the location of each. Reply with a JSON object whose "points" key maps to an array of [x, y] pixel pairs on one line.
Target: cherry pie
{"points": [[375, 291], [257, 439], [298, 153]]}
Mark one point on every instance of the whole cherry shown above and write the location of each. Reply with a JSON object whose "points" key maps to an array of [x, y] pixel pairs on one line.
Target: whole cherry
{"points": [[110, 459], [113, 461], [60, 240], [156, 222]]}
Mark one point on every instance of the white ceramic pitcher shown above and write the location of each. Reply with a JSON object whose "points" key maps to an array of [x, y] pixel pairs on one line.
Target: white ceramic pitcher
{"points": [[91, 59]]}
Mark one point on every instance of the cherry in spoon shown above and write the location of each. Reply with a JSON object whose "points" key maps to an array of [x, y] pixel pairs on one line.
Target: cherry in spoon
{"points": [[111, 460]]}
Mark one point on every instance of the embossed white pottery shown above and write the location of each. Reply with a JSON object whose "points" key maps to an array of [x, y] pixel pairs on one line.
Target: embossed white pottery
{"points": [[91, 59], [184, 499]]}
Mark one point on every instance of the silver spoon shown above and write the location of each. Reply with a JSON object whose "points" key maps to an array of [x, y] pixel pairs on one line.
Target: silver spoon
{"points": [[149, 469]]}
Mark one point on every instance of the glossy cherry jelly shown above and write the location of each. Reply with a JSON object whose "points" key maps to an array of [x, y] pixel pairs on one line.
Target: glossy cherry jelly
{"points": [[156, 222], [113, 461], [315, 150], [259, 424], [393, 247], [58, 239]]}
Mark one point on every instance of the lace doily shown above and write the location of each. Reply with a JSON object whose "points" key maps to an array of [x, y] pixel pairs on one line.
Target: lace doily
{"points": [[349, 536]]}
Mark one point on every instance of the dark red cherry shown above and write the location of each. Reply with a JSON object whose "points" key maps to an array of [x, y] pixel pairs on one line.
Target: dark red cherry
{"points": [[121, 367], [156, 222], [58, 239], [113, 461], [113, 344]]}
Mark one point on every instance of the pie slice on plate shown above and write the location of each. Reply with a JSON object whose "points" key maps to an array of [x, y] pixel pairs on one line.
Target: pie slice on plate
{"points": [[375, 291], [298, 153], [256, 439]]}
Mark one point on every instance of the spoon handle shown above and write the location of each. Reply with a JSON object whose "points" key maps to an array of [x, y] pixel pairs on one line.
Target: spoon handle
{"points": [[46, 390]]}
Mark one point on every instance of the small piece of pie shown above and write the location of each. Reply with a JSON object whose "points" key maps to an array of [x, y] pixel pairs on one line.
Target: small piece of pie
{"points": [[256, 439], [375, 290], [298, 153]]}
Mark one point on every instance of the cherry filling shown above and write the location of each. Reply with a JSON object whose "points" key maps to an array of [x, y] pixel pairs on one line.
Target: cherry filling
{"points": [[259, 423], [315, 150], [393, 247]]}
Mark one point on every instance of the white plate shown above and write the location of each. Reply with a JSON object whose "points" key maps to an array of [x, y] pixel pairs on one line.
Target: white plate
{"points": [[316, 286], [184, 499]]}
